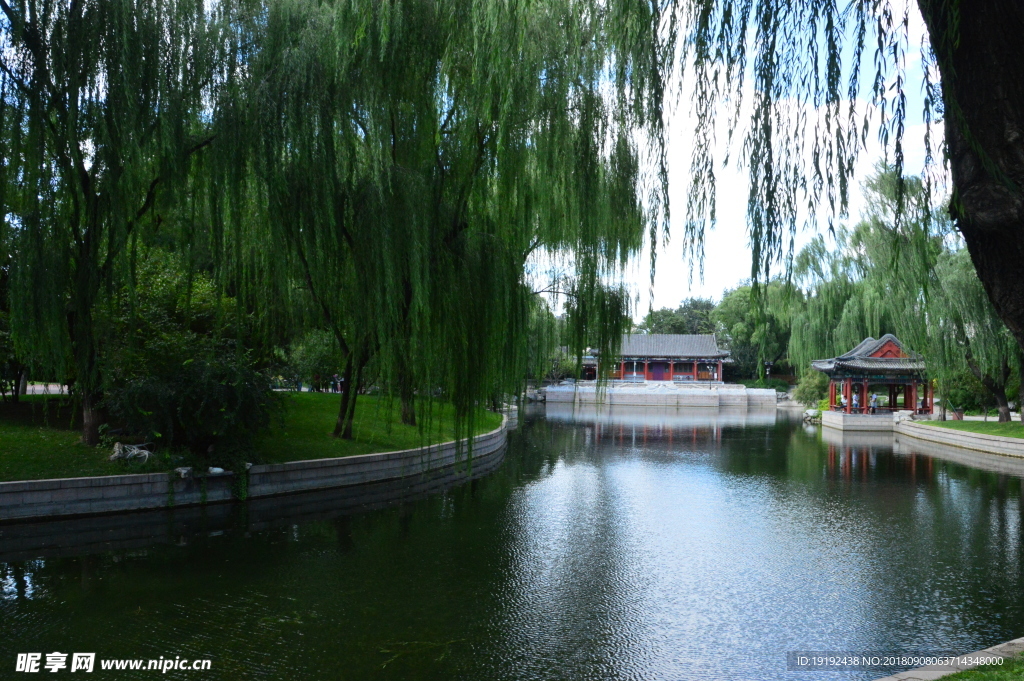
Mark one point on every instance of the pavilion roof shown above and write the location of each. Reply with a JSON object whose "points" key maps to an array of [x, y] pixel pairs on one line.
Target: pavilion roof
{"points": [[672, 345], [884, 355]]}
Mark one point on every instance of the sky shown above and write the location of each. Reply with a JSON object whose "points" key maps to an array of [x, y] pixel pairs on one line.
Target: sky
{"points": [[727, 259]]}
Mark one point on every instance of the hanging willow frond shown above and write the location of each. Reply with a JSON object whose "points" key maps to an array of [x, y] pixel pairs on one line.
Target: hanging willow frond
{"points": [[788, 76], [404, 160]]}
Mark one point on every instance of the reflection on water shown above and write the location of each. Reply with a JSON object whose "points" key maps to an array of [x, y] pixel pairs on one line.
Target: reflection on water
{"points": [[621, 543]]}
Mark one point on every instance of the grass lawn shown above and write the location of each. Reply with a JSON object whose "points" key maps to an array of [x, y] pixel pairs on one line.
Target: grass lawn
{"points": [[309, 420], [38, 441], [1010, 670], [1011, 429]]}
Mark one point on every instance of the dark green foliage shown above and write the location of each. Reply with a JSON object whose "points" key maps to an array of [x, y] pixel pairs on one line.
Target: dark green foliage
{"points": [[174, 368], [409, 160], [100, 108], [314, 357], [812, 388], [961, 390], [182, 391], [753, 332], [693, 316]]}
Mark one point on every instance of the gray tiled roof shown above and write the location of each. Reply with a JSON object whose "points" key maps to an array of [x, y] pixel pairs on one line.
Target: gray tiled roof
{"points": [[860, 359], [689, 346]]}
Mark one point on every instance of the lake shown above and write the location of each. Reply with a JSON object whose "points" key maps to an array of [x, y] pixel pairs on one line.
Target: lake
{"points": [[609, 544]]}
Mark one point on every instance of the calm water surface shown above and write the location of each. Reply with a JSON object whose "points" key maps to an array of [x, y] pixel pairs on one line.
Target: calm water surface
{"points": [[632, 544]]}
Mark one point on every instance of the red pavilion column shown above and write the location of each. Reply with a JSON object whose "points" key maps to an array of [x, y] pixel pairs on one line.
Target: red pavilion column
{"points": [[848, 391], [864, 398], [645, 378], [720, 378]]}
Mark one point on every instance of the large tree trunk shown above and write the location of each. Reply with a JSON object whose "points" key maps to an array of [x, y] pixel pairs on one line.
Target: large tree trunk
{"points": [[91, 419], [357, 385], [83, 348], [1003, 405], [348, 394], [1020, 384], [982, 69], [994, 385], [408, 403]]}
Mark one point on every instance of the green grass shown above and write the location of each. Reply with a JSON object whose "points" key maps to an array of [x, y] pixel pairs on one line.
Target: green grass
{"points": [[774, 383], [38, 440], [1011, 429], [309, 420], [1012, 669]]}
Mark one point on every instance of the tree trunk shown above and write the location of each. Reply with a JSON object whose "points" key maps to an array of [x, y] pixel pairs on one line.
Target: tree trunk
{"points": [[351, 415], [982, 74], [347, 395], [408, 404], [1020, 384], [91, 419], [996, 389], [1004, 407], [20, 385]]}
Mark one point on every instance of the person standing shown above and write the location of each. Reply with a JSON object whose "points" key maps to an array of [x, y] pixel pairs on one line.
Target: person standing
{"points": [[874, 402]]}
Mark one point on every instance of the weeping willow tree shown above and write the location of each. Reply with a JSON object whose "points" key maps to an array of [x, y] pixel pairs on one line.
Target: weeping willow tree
{"points": [[406, 161], [873, 278], [906, 278], [965, 329], [796, 83], [101, 119]]}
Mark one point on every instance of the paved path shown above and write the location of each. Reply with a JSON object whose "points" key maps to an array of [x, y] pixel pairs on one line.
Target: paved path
{"points": [[1008, 649], [46, 389]]}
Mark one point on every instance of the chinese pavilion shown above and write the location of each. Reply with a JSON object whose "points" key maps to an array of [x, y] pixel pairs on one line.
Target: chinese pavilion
{"points": [[872, 367], [670, 357]]}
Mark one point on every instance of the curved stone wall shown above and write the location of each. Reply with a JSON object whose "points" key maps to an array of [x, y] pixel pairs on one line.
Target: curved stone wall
{"points": [[116, 493]]}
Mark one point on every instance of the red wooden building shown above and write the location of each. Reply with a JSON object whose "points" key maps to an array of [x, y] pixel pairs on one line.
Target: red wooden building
{"points": [[869, 369], [670, 357]]}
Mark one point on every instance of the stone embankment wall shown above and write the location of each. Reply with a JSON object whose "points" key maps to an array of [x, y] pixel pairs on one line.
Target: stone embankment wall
{"points": [[664, 394], [993, 444], [860, 422], [114, 493], [179, 525]]}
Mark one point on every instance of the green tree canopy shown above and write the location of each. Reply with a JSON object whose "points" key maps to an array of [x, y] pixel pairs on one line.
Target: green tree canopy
{"points": [[756, 331], [910, 278], [408, 160], [101, 112], [692, 316]]}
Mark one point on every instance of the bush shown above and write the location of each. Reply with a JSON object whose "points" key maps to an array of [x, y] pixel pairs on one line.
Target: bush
{"points": [[813, 386], [180, 394], [776, 384], [174, 371], [314, 359]]}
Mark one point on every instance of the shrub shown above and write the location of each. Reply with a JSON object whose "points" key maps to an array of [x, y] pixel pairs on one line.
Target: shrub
{"points": [[174, 371], [813, 386], [776, 384], [178, 393]]}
